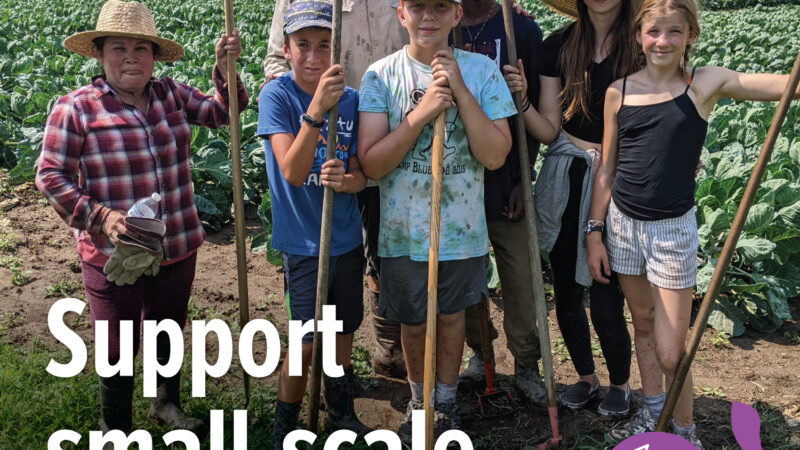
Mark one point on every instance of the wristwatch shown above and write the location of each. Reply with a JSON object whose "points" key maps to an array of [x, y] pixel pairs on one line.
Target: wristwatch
{"points": [[311, 122], [594, 225]]}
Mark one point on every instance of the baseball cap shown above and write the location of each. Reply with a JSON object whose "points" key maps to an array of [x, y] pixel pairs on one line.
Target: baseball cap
{"points": [[305, 14], [454, 1]]}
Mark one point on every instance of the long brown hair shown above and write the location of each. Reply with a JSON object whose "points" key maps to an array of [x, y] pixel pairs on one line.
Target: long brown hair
{"points": [[688, 10], [577, 55]]}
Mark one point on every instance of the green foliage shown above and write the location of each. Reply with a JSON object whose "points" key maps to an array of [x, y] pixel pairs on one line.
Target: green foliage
{"points": [[763, 273], [34, 404], [32, 80], [762, 276], [736, 4], [63, 288]]}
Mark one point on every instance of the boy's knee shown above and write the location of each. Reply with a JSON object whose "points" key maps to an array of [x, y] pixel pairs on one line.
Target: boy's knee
{"points": [[450, 320], [413, 331]]}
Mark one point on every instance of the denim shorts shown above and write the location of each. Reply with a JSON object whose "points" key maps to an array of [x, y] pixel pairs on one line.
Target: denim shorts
{"points": [[665, 250], [404, 287], [345, 288]]}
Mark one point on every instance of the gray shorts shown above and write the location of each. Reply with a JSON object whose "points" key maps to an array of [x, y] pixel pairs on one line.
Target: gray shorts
{"points": [[665, 250], [404, 287]]}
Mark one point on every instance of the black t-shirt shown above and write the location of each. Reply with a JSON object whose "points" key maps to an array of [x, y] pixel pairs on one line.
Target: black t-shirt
{"points": [[601, 75], [490, 40]]}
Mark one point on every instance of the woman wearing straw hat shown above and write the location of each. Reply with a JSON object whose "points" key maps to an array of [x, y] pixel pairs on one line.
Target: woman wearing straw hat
{"points": [[577, 64], [127, 135]]}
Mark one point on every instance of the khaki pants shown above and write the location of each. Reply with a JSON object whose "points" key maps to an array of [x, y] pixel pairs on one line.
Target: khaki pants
{"points": [[510, 244]]}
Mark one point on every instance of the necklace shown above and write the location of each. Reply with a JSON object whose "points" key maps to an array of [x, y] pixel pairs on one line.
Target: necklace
{"points": [[139, 102], [473, 40]]}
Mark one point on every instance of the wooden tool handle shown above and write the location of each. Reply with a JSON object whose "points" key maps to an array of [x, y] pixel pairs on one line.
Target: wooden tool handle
{"points": [[323, 268], [429, 381], [238, 202], [530, 219]]}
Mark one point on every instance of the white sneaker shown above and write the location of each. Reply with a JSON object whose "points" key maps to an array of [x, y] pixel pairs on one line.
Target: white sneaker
{"points": [[641, 422]]}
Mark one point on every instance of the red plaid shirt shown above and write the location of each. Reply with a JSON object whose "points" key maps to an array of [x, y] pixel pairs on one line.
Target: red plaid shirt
{"points": [[121, 155]]}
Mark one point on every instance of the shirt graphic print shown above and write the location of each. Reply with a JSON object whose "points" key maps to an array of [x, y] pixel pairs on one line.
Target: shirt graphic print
{"points": [[395, 86]]}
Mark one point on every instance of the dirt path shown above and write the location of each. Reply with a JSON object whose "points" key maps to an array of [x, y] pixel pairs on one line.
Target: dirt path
{"points": [[754, 367]]}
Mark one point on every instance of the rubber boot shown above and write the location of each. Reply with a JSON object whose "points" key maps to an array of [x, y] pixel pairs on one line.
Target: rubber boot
{"points": [[165, 408], [286, 415], [339, 398], [116, 403], [387, 359]]}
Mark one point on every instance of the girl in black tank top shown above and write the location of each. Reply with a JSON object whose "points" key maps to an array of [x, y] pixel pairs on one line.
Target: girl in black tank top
{"points": [[652, 140]]}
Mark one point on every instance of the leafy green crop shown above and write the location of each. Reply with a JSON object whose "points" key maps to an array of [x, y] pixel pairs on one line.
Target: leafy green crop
{"points": [[764, 272], [35, 69]]}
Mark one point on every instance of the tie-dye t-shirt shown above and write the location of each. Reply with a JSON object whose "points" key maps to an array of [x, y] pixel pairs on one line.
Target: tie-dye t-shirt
{"points": [[394, 85]]}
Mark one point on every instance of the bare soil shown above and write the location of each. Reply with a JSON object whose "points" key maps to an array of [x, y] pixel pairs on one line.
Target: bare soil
{"points": [[752, 368]]}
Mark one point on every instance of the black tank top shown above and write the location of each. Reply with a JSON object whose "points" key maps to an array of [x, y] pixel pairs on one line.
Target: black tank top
{"points": [[659, 147]]}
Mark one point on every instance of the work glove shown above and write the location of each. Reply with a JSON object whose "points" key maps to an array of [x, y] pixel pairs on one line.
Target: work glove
{"points": [[138, 252]]}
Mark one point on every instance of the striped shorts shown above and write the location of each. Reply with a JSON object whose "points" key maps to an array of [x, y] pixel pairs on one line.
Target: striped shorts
{"points": [[665, 250]]}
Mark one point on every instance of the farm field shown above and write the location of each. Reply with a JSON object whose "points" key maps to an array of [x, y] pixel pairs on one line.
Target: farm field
{"points": [[751, 355]]}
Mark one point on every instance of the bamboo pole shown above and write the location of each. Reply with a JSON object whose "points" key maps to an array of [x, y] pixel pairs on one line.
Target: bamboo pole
{"points": [[727, 250], [238, 203], [325, 236], [533, 236]]}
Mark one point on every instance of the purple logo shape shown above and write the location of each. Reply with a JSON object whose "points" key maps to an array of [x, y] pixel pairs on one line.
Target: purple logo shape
{"points": [[655, 440], [745, 422], [746, 426]]}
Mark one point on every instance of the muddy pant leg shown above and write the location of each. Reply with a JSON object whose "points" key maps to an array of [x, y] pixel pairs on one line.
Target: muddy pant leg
{"points": [[570, 312], [168, 298], [388, 357], [112, 303], [473, 332], [510, 243], [608, 319]]}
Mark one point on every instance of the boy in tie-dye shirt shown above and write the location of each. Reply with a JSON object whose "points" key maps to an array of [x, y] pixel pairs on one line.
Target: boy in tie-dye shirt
{"points": [[400, 96]]}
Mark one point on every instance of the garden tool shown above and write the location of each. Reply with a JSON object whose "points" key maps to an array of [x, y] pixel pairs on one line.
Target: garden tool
{"points": [[429, 376], [238, 202], [533, 242], [325, 235], [493, 402], [724, 260], [138, 251]]}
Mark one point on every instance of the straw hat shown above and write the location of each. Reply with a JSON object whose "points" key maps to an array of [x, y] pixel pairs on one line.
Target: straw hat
{"points": [[570, 7], [126, 19]]}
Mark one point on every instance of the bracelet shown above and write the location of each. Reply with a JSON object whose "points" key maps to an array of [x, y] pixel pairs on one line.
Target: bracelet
{"points": [[526, 104], [598, 223]]}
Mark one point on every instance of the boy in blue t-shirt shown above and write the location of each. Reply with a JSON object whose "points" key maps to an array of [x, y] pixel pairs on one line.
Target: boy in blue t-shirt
{"points": [[293, 122], [400, 96]]}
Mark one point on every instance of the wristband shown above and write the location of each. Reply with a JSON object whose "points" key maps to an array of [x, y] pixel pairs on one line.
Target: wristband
{"points": [[594, 225], [311, 122]]}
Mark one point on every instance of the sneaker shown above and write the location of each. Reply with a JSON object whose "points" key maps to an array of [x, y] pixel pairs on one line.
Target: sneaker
{"points": [[579, 394], [475, 373], [640, 423], [616, 402], [446, 417], [529, 383], [690, 435], [404, 432]]}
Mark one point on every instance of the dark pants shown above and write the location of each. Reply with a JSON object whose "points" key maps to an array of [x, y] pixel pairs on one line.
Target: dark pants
{"points": [[164, 296], [369, 204], [606, 299]]}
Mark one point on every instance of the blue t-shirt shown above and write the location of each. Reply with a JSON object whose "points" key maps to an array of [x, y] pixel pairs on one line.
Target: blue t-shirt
{"points": [[394, 85], [297, 211]]}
